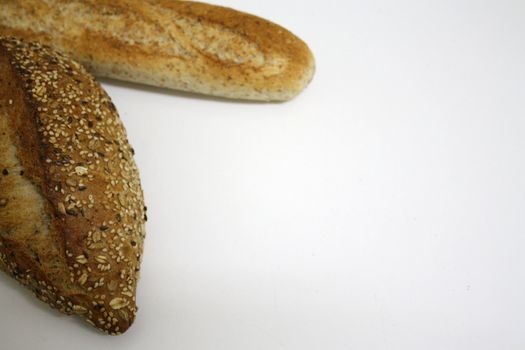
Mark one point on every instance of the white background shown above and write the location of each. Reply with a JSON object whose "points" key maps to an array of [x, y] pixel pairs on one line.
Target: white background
{"points": [[381, 209]]}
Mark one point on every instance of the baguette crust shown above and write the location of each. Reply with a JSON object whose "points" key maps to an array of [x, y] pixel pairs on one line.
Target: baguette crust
{"points": [[181, 45], [71, 205]]}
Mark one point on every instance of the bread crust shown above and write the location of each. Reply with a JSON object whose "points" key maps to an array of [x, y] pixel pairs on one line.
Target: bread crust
{"points": [[181, 45], [72, 223]]}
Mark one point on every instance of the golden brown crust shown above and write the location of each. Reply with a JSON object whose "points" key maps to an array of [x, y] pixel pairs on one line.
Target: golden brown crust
{"points": [[70, 167], [183, 45]]}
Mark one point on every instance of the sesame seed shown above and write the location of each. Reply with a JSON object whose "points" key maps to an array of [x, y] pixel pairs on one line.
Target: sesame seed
{"points": [[101, 259], [61, 208], [81, 259], [79, 309], [81, 171], [83, 279], [118, 303]]}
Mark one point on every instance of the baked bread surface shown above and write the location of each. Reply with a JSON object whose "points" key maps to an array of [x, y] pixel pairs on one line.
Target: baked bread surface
{"points": [[181, 45], [71, 206]]}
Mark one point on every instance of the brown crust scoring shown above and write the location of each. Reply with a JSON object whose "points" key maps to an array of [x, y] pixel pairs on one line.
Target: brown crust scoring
{"points": [[176, 44], [73, 148], [20, 110]]}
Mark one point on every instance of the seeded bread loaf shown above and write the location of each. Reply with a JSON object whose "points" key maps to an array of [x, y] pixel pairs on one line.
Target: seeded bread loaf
{"points": [[181, 45], [71, 205]]}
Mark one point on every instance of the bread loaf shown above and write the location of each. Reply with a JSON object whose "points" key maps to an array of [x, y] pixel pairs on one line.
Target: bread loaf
{"points": [[71, 205], [181, 45]]}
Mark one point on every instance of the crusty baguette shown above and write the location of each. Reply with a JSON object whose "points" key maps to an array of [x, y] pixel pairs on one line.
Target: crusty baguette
{"points": [[181, 45], [71, 205]]}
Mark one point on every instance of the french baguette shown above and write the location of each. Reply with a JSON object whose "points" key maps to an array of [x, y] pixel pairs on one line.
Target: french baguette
{"points": [[182, 45], [71, 206]]}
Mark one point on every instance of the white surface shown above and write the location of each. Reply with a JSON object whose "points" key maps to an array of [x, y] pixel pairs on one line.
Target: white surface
{"points": [[381, 209]]}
